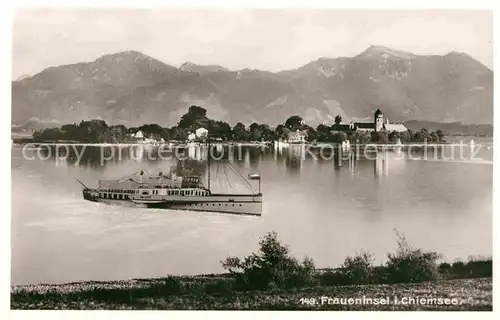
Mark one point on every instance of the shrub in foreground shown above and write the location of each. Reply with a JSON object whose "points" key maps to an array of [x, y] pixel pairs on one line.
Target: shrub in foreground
{"points": [[271, 267], [408, 264], [358, 269], [474, 268]]}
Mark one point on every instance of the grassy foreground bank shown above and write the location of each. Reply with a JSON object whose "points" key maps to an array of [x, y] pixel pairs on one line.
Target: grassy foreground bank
{"points": [[272, 279], [206, 293]]}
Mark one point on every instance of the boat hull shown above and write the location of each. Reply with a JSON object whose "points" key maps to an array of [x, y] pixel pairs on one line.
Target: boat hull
{"points": [[244, 204]]}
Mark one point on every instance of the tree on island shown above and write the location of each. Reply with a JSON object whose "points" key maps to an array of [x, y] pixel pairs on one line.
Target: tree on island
{"points": [[195, 117], [294, 123], [338, 136], [323, 133], [440, 135], [151, 129], [255, 132], [267, 134], [240, 133], [338, 119], [379, 137], [311, 133], [336, 125], [220, 129], [97, 131], [178, 134]]}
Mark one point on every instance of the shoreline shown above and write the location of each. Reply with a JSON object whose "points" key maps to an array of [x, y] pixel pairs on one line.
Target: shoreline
{"points": [[445, 274], [251, 144], [207, 294], [286, 284]]}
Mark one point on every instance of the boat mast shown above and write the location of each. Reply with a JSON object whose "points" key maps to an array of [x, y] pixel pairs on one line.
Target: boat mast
{"points": [[208, 160]]}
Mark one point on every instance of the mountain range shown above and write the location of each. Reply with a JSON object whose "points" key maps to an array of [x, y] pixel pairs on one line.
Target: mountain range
{"points": [[132, 88]]}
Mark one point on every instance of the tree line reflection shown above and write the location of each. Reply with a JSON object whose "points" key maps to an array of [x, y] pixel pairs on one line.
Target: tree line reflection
{"points": [[294, 159]]}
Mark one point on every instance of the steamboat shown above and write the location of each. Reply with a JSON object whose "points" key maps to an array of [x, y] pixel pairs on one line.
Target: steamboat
{"points": [[176, 192]]}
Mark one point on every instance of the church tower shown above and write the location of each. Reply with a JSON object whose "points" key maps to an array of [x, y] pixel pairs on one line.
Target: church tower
{"points": [[378, 119]]}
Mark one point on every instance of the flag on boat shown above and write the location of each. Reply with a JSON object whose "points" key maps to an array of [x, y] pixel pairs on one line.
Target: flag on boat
{"points": [[254, 176]]}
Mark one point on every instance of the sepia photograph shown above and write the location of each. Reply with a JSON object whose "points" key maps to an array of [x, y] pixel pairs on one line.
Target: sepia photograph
{"points": [[314, 159]]}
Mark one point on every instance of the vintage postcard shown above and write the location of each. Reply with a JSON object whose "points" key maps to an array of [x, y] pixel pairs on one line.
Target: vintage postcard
{"points": [[251, 159]]}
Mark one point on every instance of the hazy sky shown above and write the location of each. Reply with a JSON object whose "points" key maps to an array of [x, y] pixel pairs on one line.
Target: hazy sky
{"points": [[261, 39]]}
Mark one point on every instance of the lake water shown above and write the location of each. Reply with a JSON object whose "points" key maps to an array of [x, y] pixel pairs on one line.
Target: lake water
{"points": [[322, 208]]}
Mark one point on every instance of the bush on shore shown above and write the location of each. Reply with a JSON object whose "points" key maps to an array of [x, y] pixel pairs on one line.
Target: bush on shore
{"points": [[474, 268], [358, 269], [272, 267], [405, 265], [411, 265]]}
